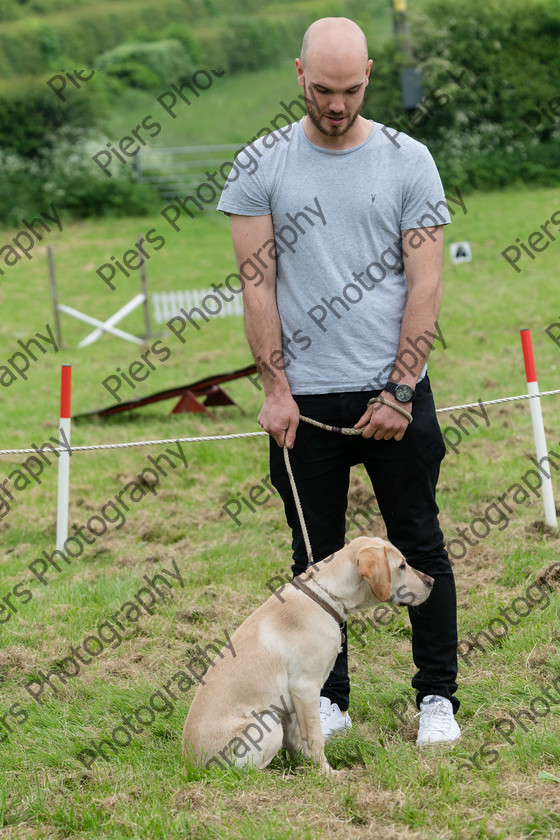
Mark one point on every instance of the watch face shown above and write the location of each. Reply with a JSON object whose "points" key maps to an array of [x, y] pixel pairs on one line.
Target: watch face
{"points": [[403, 393]]}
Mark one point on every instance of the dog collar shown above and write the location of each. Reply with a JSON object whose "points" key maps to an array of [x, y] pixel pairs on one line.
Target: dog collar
{"points": [[299, 584]]}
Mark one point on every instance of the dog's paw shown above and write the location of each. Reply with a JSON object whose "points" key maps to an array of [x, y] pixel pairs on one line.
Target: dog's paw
{"points": [[329, 771]]}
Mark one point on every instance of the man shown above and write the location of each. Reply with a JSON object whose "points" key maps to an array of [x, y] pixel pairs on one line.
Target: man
{"points": [[337, 211]]}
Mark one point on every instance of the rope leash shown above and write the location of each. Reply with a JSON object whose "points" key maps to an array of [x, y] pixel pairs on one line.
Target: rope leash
{"points": [[298, 506], [338, 430], [349, 431]]}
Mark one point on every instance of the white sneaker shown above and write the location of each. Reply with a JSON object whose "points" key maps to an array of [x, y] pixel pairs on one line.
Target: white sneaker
{"points": [[437, 723], [332, 719]]}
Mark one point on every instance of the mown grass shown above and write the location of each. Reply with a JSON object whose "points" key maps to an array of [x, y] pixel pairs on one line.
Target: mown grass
{"points": [[389, 785], [217, 117]]}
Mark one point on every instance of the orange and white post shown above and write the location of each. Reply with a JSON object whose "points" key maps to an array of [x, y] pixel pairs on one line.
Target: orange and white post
{"points": [[63, 459], [538, 428]]}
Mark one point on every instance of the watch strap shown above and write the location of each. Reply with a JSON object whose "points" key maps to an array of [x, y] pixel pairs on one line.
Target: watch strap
{"points": [[391, 388]]}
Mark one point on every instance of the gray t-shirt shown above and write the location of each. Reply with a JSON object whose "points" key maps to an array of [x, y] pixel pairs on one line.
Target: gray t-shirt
{"points": [[338, 217]]}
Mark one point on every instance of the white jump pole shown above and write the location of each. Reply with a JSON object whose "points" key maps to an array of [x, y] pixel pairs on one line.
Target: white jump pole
{"points": [[538, 428], [103, 326], [114, 319], [63, 459]]}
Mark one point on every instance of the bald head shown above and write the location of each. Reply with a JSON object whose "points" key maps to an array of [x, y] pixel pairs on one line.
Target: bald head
{"points": [[333, 41], [334, 72]]}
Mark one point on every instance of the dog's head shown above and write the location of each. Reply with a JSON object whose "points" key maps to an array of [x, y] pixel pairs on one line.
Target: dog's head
{"points": [[387, 573]]}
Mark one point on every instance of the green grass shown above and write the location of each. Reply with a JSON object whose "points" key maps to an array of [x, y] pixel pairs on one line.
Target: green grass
{"points": [[389, 786], [232, 110]]}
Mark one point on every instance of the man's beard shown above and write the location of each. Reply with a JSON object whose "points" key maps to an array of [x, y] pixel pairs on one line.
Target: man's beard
{"points": [[329, 130]]}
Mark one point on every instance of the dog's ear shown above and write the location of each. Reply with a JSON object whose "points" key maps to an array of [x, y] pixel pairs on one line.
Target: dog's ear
{"points": [[373, 565]]}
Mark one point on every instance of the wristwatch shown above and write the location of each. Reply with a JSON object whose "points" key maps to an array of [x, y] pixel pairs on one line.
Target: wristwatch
{"points": [[402, 393]]}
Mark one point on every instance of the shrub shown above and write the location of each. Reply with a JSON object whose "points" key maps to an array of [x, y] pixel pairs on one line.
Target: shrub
{"points": [[19, 8], [49, 42], [484, 66], [8, 10], [251, 43], [64, 174], [21, 187], [175, 32], [134, 74], [74, 183], [166, 62], [31, 113], [83, 32]]}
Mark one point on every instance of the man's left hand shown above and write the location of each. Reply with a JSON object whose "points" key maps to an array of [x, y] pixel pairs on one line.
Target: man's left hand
{"points": [[382, 422]]}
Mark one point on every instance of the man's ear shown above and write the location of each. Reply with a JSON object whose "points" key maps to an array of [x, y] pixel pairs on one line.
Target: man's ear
{"points": [[373, 565], [300, 72]]}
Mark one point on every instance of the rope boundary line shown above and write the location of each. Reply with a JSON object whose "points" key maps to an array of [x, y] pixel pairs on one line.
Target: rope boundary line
{"points": [[207, 438]]}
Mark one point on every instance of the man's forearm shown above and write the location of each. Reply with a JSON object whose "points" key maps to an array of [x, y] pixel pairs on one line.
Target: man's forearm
{"points": [[423, 269], [279, 415], [264, 334], [419, 322]]}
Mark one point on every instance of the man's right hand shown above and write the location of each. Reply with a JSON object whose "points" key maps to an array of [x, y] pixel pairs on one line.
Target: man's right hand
{"points": [[279, 416]]}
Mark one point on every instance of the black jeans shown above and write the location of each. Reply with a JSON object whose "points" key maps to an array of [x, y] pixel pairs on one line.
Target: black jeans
{"points": [[404, 476]]}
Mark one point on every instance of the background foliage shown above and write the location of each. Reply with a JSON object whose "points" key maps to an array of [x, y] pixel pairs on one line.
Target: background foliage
{"points": [[485, 66]]}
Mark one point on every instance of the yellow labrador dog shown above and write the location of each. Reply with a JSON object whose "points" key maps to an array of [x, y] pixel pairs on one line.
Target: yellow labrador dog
{"points": [[263, 694]]}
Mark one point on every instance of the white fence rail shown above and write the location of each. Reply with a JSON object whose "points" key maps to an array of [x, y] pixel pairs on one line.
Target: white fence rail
{"points": [[182, 168], [202, 304]]}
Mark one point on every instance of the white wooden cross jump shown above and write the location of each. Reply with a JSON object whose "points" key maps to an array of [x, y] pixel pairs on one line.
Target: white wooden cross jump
{"points": [[109, 324], [101, 327]]}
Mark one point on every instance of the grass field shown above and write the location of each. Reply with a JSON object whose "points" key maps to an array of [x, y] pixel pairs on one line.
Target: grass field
{"points": [[217, 116], [491, 785]]}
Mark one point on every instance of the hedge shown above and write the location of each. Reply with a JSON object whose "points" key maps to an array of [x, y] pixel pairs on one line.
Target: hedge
{"points": [[31, 113], [167, 60], [485, 65], [232, 34], [24, 45]]}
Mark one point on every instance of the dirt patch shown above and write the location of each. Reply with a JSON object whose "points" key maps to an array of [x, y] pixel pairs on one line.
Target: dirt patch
{"points": [[550, 577], [352, 806]]}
